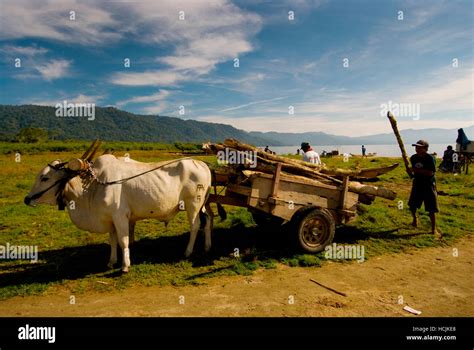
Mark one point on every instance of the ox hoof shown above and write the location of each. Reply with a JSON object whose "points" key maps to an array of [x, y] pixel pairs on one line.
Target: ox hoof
{"points": [[187, 254], [125, 269], [110, 265]]}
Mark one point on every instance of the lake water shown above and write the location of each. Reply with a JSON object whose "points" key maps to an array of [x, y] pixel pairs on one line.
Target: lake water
{"points": [[381, 150]]}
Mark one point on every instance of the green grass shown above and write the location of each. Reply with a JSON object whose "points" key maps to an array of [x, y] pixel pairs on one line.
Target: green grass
{"points": [[81, 146], [76, 260]]}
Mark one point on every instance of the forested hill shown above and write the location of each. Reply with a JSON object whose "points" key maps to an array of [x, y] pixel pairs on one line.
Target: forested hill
{"points": [[114, 124]]}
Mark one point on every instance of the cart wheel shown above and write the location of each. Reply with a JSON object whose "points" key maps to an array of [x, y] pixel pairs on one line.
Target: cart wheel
{"points": [[315, 229]]}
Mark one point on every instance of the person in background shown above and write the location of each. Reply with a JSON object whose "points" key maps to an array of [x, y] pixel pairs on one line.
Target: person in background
{"points": [[424, 185], [309, 155], [267, 149], [363, 150], [298, 152], [448, 159]]}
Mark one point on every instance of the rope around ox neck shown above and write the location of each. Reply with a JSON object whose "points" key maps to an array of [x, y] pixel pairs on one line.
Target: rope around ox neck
{"points": [[137, 175]]}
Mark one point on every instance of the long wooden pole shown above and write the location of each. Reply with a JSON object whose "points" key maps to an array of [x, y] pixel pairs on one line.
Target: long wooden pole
{"points": [[393, 122]]}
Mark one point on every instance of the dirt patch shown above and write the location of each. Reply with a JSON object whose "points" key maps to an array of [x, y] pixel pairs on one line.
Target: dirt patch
{"points": [[431, 280]]}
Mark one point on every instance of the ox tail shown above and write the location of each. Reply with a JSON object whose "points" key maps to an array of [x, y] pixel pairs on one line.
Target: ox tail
{"points": [[206, 212], [221, 211]]}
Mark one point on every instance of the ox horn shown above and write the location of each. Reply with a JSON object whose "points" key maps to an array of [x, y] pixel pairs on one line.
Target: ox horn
{"points": [[91, 156], [87, 153]]}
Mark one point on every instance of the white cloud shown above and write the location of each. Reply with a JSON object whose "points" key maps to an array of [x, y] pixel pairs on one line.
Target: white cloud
{"points": [[51, 20], [159, 96], [212, 32], [34, 62], [424, 30], [350, 127], [453, 91], [202, 64], [248, 84], [80, 98], [54, 69], [153, 78], [202, 54], [28, 51], [440, 40], [155, 109], [35, 65], [446, 101], [251, 104]]}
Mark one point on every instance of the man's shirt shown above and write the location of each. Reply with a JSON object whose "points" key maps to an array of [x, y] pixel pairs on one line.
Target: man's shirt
{"points": [[427, 162], [311, 157]]}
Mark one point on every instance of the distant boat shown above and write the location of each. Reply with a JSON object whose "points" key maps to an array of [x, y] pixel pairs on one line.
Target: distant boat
{"points": [[365, 173], [367, 155]]}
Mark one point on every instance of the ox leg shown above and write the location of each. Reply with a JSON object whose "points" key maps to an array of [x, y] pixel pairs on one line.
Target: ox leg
{"points": [[208, 227], [131, 232], [113, 248], [194, 223], [121, 225]]}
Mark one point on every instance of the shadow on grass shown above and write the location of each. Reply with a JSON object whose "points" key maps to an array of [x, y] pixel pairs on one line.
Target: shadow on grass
{"points": [[253, 243], [350, 234], [71, 263]]}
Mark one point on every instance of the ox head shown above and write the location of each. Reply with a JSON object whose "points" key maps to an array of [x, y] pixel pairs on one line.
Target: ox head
{"points": [[51, 180], [47, 184]]}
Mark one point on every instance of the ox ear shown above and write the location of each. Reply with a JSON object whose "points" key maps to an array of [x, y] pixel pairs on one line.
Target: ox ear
{"points": [[57, 164]]}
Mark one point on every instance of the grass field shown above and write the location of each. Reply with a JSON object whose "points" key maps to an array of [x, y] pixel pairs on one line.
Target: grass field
{"points": [[76, 260]]}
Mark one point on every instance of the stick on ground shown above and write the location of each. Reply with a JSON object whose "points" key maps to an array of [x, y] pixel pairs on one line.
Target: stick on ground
{"points": [[329, 288]]}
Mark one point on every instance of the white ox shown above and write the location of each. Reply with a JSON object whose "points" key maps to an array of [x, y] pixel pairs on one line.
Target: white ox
{"points": [[99, 203]]}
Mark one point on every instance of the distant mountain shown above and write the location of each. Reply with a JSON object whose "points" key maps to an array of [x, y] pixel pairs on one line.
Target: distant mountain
{"points": [[432, 135], [114, 124], [409, 136], [314, 138]]}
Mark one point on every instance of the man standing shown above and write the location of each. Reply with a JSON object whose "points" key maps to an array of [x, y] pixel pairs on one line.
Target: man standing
{"points": [[424, 185], [363, 150], [309, 155]]}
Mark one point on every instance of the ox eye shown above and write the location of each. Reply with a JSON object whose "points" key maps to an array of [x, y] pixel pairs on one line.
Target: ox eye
{"points": [[43, 179]]}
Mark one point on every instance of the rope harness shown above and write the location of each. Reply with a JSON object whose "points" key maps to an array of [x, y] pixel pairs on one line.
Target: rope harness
{"points": [[121, 181]]}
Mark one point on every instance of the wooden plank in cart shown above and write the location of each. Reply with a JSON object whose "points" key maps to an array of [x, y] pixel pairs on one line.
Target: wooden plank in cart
{"points": [[344, 192]]}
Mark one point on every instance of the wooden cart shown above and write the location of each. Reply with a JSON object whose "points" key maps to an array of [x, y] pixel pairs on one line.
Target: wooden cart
{"points": [[464, 158], [312, 208]]}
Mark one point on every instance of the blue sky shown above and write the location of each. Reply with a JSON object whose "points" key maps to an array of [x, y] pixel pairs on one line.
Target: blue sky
{"points": [[282, 62]]}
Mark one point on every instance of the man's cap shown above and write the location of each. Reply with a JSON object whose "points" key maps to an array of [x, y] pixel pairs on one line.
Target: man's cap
{"points": [[304, 144], [421, 143]]}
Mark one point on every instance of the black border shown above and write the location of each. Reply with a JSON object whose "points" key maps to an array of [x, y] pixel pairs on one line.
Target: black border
{"points": [[333, 332]]}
